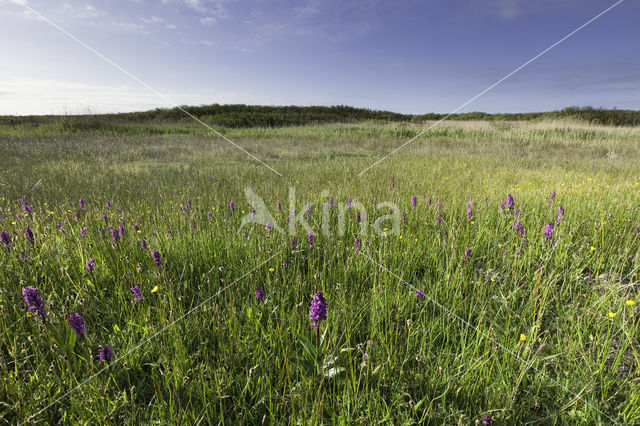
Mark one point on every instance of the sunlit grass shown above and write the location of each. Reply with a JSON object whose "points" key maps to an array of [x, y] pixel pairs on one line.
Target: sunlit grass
{"points": [[525, 330]]}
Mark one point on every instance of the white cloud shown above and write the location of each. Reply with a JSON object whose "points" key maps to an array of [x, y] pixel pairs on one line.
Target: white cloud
{"points": [[209, 10], [62, 13], [197, 42], [18, 10], [153, 20], [129, 27], [170, 27], [22, 96], [508, 9], [83, 12], [513, 9], [204, 7]]}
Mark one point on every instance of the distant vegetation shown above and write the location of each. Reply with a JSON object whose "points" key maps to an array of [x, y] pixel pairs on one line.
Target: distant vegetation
{"points": [[246, 116]]}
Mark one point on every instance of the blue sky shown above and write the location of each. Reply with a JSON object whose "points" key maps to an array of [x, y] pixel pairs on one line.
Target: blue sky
{"points": [[403, 55]]}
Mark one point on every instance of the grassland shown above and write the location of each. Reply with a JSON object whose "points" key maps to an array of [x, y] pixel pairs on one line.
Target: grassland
{"points": [[527, 329]]}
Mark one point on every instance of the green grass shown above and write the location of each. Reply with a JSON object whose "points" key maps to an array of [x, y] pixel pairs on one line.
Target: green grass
{"points": [[447, 358]]}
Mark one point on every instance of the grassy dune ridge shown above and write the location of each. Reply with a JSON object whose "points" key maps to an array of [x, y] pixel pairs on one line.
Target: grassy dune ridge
{"points": [[527, 329]]}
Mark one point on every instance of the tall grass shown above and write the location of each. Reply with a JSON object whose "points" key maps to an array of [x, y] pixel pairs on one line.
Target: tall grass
{"points": [[384, 354]]}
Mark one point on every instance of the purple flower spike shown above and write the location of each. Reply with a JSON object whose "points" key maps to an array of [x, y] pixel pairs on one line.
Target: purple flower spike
{"points": [[143, 244], [414, 201], [548, 231], [553, 195], [487, 420], [6, 239], [467, 254], [310, 238], [29, 234], [77, 324], [419, 294], [510, 202], [232, 206], [137, 293], [35, 304], [519, 228], [358, 217], [438, 220], [259, 294], [469, 213], [560, 215], [115, 235], [268, 226], [318, 309], [81, 203], [356, 244], [91, 264], [157, 257], [279, 206], [105, 353]]}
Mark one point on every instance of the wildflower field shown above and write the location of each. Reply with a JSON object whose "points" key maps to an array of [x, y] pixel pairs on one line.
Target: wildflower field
{"points": [[137, 287]]}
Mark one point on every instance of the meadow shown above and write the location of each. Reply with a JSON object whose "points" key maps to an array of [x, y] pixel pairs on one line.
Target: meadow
{"points": [[509, 293]]}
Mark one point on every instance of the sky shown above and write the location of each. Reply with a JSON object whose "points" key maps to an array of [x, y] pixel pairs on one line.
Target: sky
{"points": [[406, 56]]}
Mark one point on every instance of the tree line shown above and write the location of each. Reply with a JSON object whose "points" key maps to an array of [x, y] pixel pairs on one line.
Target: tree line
{"points": [[239, 116]]}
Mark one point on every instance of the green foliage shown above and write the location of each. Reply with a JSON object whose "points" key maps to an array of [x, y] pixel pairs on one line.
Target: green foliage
{"points": [[200, 349], [172, 120]]}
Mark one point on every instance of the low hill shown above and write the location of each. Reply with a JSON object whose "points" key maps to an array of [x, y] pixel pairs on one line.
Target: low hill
{"points": [[245, 116]]}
